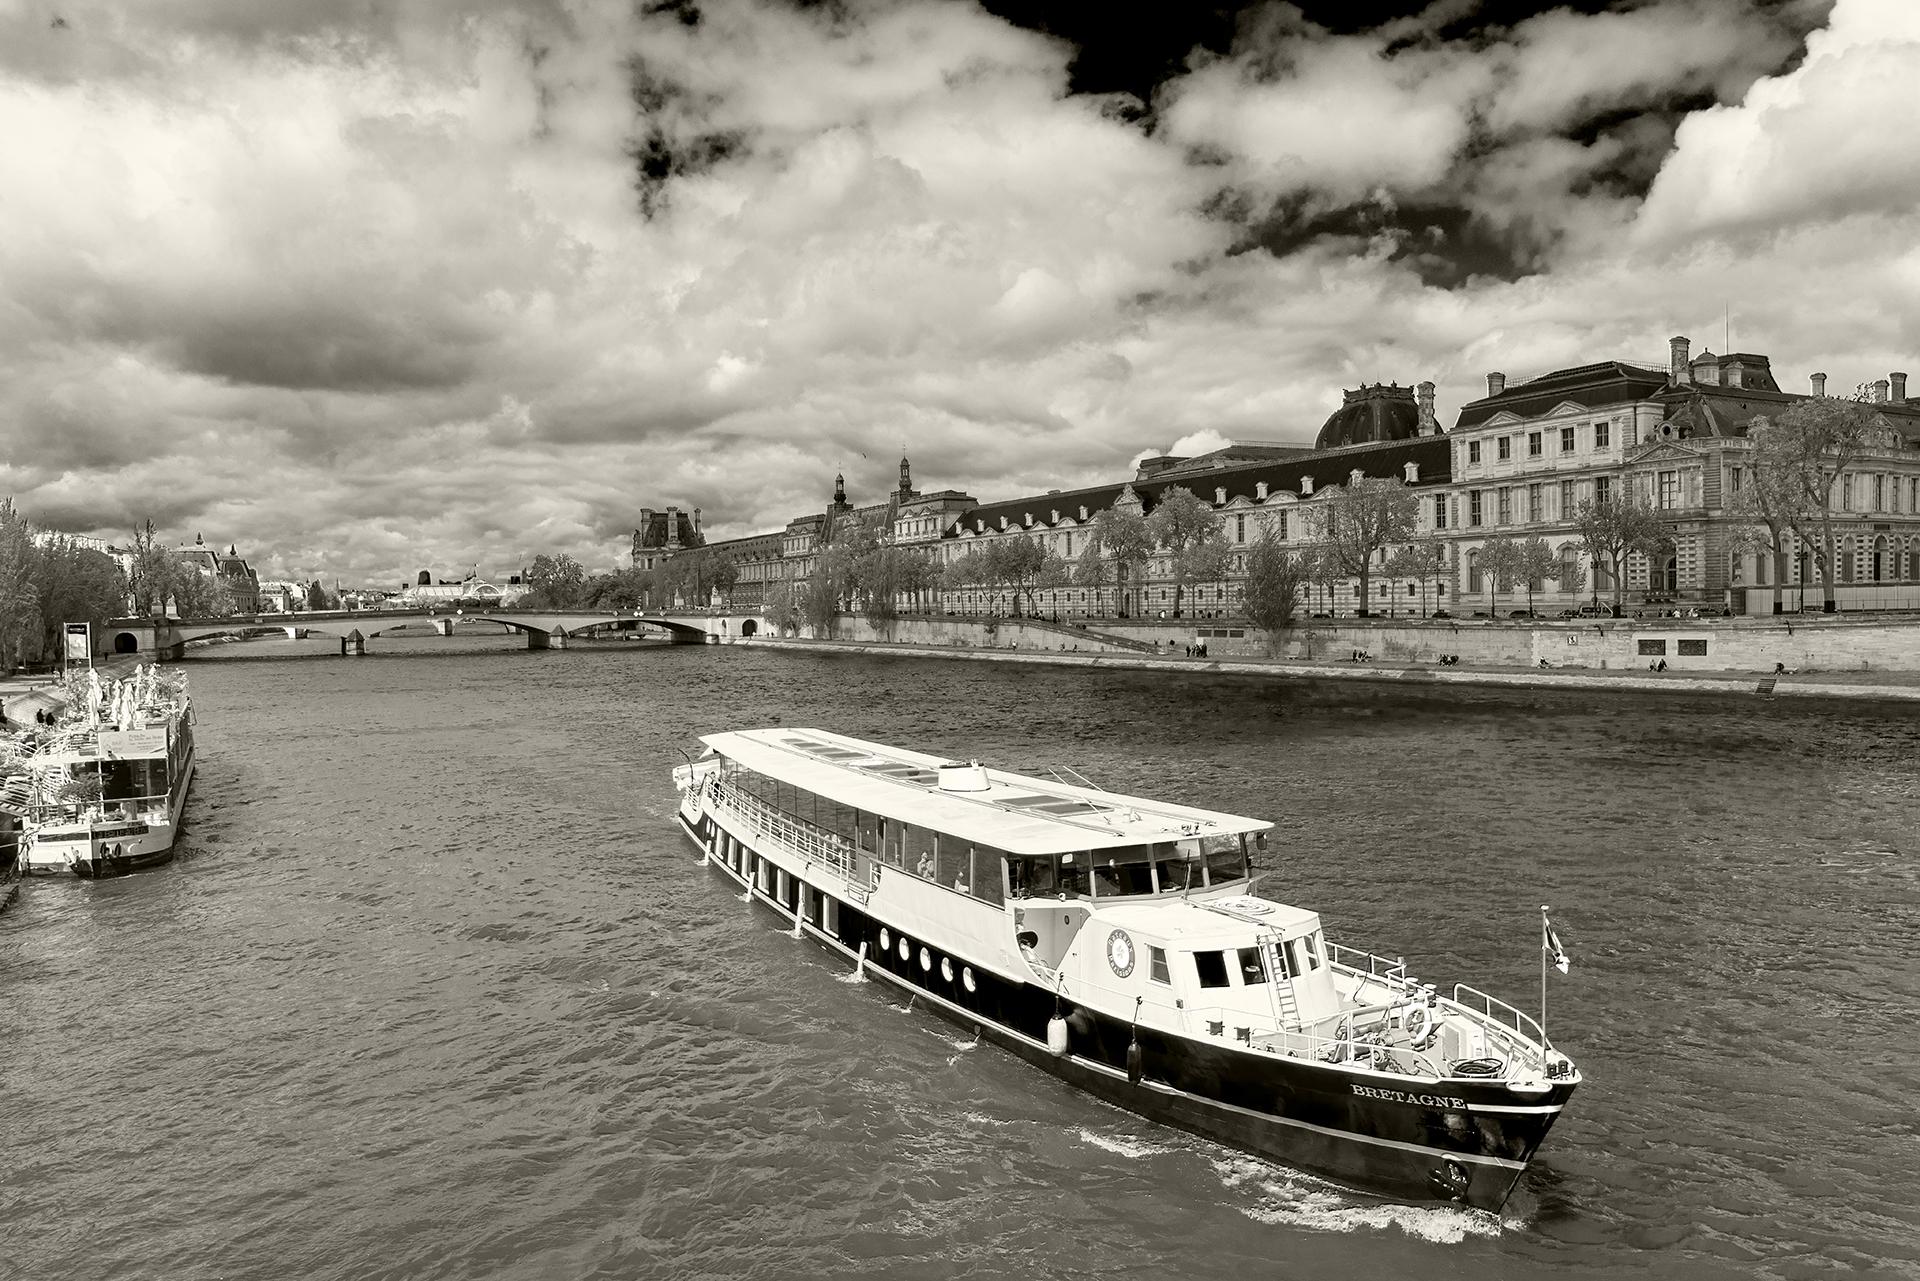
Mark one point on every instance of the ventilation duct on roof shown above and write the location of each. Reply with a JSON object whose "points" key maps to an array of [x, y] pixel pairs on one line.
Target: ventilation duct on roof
{"points": [[970, 777]]}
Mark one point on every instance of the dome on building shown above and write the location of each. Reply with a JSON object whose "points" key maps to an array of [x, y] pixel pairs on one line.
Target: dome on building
{"points": [[1372, 416]]}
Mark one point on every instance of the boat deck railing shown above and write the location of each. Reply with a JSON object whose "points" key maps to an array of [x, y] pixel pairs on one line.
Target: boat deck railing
{"points": [[1497, 1012], [813, 844], [1365, 964]]}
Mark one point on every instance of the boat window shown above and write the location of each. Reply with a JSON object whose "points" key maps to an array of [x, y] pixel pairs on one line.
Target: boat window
{"points": [[1212, 968], [1157, 963], [1279, 955], [1074, 879], [918, 843], [1296, 963], [987, 870], [1171, 875], [1032, 876], [1123, 872], [1252, 971], [953, 859], [869, 827], [1313, 949], [1226, 858]]}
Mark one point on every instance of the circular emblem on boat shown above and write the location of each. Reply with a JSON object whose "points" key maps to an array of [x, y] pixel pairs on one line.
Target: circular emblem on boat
{"points": [[1120, 953], [966, 978], [926, 959], [946, 969]]}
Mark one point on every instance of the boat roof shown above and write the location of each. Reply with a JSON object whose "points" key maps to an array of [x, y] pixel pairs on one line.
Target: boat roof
{"points": [[1200, 923], [1016, 813]]}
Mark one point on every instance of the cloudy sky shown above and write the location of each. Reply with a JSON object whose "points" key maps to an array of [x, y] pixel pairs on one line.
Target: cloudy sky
{"points": [[368, 286]]}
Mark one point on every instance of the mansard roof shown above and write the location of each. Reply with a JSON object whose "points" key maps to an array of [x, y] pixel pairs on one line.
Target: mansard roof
{"points": [[1327, 467], [1709, 410], [1611, 382]]}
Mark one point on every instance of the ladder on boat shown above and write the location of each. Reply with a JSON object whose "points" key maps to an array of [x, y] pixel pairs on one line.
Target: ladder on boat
{"points": [[1286, 1011]]}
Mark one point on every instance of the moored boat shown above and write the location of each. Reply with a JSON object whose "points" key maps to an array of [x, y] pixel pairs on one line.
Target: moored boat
{"points": [[1117, 942], [106, 784]]}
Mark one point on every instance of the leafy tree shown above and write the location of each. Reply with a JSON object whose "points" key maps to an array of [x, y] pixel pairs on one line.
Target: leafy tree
{"points": [[556, 582], [780, 606], [1613, 529], [1359, 519], [1124, 539], [152, 574], [1324, 571], [1275, 576], [1499, 567], [1209, 560], [20, 619], [820, 594], [1420, 562], [1802, 456], [1092, 570], [318, 597], [1534, 562], [1015, 562], [198, 595], [1182, 522], [74, 584]]}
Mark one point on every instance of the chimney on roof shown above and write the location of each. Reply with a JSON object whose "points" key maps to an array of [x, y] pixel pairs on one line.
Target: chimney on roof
{"points": [[1429, 426], [1306, 485], [1880, 392], [1678, 370], [1260, 490], [1496, 383], [1899, 388], [1819, 384], [696, 520]]}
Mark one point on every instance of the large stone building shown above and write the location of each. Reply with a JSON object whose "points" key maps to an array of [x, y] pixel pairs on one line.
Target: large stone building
{"points": [[1527, 454], [1517, 462]]}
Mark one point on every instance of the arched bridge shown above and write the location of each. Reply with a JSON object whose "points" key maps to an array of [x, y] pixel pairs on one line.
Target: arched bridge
{"points": [[166, 638]]}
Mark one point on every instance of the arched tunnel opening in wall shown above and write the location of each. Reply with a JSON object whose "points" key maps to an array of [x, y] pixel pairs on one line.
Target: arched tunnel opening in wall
{"points": [[126, 643], [748, 627]]}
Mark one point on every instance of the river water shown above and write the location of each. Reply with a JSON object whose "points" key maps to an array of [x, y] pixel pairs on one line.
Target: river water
{"points": [[437, 989]]}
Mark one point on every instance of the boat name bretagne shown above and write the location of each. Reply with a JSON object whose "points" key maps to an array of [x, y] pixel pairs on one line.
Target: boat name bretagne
{"points": [[1419, 1100]]}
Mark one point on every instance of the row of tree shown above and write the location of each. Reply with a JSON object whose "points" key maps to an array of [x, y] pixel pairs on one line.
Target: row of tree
{"points": [[48, 581]]}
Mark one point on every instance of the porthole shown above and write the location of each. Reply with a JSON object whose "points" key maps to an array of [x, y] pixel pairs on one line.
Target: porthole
{"points": [[946, 969], [926, 959], [966, 979], [906, 949], [886, 939]]}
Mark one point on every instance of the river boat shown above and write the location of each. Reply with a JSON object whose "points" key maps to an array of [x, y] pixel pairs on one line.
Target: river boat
{"points": [[1119, 944], [105, 785]]}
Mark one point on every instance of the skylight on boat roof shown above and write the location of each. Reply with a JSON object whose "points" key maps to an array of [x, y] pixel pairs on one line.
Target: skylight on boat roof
{"points": [[1051, 804]]}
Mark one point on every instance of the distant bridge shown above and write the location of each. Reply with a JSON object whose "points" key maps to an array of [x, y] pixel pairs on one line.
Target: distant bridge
{"points": [[166, 638]]}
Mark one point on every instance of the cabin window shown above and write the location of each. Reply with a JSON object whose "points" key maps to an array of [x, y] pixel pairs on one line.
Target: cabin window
{"points": [[1296, 958], [1253, 972], [1212, 968], [1157, 965], [1118, 873], [1173, 874], [1313, 951], [918, 843], [1032, 875], [869, 825], [1074, 875], [987, 872], [953, 862], [1226, 858]]}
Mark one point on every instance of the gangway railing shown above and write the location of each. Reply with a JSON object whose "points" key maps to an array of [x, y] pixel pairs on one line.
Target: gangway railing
{"points": [[1497, 1011], [812, 844]]}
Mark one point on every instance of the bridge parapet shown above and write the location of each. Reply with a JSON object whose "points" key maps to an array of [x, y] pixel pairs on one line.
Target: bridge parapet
{"points": [[166, 638]]}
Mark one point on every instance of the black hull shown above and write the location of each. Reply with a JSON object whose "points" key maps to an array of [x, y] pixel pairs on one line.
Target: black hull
{"points": [[1355, 1127], [100, 869]]}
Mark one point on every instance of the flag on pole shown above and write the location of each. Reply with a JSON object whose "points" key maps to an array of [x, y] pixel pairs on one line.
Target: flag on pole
{"points": [[1551, 942]]}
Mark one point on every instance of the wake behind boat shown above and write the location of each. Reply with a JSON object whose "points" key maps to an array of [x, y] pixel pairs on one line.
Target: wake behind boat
{"points": [[100, 792], [1116, 942]]}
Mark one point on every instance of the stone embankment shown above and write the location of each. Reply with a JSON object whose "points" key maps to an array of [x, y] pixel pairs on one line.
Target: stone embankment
{"points": [[1830, 658]]}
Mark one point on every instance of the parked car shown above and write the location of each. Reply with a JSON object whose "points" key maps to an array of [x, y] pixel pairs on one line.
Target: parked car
{"points": [[1569, 613], [1522, 613], [1596, 611], [1441, 613]]}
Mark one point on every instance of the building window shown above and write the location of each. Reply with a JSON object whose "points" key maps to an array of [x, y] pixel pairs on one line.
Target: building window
{"points": [[1534, 501], [1879, 493], [1568, 506], [1439, 511], [1283, 527], [1239, 529], [1533, 444], [1473, 571], [1846, 493], [1669, 490], [1504, 446], [1602, 489], [1473, 451], [1692, 648], [1566, 440], [1506, 506], [1657, 648], [1473, 507], [1600, 435], [1733, 481]]}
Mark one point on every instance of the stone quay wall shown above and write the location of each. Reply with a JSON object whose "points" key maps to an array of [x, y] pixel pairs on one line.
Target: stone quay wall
{"points": [[1831, 643]]}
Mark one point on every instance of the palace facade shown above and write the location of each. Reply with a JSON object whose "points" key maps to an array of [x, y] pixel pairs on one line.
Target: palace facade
{"points": [[1518, 462]]}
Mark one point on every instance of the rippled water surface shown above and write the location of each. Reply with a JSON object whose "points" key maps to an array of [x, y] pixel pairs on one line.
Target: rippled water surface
{"points": [[436, 989]]}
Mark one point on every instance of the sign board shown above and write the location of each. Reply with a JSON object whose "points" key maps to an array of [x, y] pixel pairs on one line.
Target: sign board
{"points": [[130, 744], [79, 642]]}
